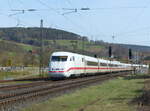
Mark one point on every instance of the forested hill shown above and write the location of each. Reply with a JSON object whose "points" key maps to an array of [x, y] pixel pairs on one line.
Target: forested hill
{"points": [[24, 43], [32, 35]]}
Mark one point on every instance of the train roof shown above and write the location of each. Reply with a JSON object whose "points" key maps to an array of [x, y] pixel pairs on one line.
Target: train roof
{"points": [[62, 53], [89, 58]]}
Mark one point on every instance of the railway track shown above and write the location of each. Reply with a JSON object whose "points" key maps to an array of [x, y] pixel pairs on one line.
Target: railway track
{"points": [[11, 95]]}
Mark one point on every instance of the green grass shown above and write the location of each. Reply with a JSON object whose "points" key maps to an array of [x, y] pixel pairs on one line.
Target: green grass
{"points": [[13, 75], [27, 47], [24, 46], [19, 74], [12, 53], [79, 45], [4, 75], [112, 95]]}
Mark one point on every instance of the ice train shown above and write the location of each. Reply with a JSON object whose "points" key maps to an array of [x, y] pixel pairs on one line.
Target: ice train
{"points": [[67, 64]]}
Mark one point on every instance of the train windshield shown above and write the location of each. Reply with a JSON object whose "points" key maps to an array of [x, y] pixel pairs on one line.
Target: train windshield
{"points": [[59, 58]]}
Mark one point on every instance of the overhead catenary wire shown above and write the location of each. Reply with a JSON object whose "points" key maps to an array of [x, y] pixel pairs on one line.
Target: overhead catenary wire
{"points": [[135, 18], [24, 11], [79, 25], [9, 4], [68, 1], [74, 9], [78, 9], [85, 2], [18, 21], [60, 14]]}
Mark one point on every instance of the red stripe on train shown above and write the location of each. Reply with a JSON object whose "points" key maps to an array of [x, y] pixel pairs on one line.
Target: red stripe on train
{"points": [[84, 68]]}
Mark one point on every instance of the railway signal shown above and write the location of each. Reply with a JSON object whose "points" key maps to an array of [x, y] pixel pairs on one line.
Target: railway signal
{"points": [[130, 53], [110, 51]]}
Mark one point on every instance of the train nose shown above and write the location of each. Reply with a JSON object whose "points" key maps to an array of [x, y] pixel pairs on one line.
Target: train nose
{"points": [[57, 69], [57, 72]]}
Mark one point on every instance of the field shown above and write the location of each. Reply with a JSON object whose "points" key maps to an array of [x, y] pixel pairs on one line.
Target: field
{"points": [[112, 95], [25, 72]]}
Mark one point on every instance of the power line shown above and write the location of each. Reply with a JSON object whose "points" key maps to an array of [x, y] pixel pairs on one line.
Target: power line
{"points": [[78, 9], [68, 1], [56, 11], [19, 22], [74, 9], [85, 2], [20, 1], [9, 4], [68, 19], [136, 17], [21, 11], [41, 2], [111, 8], [18, 11]]}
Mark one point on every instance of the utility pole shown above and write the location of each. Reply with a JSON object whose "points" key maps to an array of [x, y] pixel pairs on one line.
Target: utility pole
{"points": [[112, 46], [41, 49], [83, 45]]}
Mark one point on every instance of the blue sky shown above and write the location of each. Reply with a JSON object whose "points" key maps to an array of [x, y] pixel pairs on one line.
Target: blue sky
{"points": [[127, 20]]}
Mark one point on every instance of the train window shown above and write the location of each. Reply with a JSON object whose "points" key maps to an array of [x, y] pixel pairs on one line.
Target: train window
{"points": [[70, 59], [103, 64], [111, 65], [90, 63], [73, 58], [59, 58], [82, 59]]}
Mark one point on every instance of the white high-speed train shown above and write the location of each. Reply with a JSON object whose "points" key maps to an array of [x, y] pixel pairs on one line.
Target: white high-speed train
{"points": [[66, 64]]}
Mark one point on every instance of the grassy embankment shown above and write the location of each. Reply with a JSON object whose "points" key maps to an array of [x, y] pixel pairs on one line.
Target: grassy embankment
{"points": [[21, 74], [5, 75], [14, 74], [112, 95]]}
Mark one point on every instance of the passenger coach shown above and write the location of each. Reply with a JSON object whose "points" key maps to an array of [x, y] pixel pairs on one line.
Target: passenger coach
{"points": [[66, 64]]}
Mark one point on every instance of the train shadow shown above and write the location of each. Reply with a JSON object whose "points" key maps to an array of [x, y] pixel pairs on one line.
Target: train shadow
{"points": [[143, 99], [34, 79], [145, 76], [129, 98]]}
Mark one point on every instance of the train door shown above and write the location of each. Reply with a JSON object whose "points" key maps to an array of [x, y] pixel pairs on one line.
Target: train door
{"points": [[84, 65], [98, 66], [72, 65]]}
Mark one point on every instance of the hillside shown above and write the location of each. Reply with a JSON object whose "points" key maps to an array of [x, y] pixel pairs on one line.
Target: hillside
{"points": [[136, 47], [32, 35], [24, 44]]}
